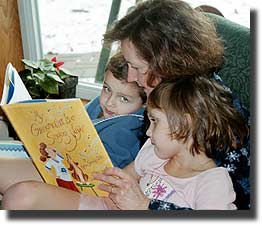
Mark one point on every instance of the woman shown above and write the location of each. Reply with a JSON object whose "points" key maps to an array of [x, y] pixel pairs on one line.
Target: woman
{"points": [[160, 39], [164, 39]]}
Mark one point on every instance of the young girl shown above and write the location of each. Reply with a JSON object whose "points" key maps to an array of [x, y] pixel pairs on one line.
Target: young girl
{"points": [[118, 113], [190, 118]]}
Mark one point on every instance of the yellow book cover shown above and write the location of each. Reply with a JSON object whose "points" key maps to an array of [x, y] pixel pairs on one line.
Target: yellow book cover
{"points": [[62, 142]]}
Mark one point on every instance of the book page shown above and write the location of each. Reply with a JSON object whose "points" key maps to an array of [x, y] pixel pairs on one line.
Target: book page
{"points": [[14, 89]]}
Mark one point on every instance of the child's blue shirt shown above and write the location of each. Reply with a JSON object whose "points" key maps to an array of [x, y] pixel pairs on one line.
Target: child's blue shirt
{"points": [[121, 135]]}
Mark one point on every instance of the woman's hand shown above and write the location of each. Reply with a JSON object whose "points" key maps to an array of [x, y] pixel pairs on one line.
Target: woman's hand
{"points": [[123, 190]]}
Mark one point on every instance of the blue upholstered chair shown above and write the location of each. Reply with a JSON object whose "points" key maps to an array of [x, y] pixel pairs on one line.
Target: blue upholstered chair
{"points": [[235, 73]]}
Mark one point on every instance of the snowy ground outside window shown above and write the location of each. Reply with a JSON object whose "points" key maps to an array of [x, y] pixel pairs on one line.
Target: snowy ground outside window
{"points": [[77, 26], [73, 30]]}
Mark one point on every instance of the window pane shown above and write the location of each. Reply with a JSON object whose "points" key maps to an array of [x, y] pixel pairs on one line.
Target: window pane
{"points": [[73, 31], [236, 11]]}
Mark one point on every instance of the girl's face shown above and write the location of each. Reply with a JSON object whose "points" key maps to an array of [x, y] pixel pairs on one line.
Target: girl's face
{"points": [[159, 133], [119, 97], [137, 67]]}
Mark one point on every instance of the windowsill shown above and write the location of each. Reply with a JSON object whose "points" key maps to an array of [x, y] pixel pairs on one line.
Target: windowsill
{"points": [[88, 90]]}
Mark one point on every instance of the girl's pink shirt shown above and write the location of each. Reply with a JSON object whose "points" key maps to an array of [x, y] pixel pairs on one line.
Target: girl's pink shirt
{"points": [[211, 189]]}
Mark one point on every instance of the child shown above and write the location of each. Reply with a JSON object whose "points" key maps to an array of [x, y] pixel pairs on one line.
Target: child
{"points": [[190, 118], [193, 117], [118, 113]]}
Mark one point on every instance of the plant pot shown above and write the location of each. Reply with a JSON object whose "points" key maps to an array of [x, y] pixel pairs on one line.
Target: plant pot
{"points": [[68, 89]]}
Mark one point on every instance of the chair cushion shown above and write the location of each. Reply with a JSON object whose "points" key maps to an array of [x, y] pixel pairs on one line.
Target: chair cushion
{"points": [[235, 71]]}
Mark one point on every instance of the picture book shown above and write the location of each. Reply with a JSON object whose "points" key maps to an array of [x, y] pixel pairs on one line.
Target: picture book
{"points": [[14, 89], [62, 142]]}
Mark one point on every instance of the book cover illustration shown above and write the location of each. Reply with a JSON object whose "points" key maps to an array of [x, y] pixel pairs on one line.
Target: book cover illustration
{"points": [[62, 142]]}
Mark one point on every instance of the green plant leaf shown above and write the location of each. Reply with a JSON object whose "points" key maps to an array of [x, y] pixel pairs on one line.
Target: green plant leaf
{"points": [[50, 86], [66, 73], [46, 65], [40, 76], [29, 77], [35, 91], [64, 76], [55, 77], [26, 75]]}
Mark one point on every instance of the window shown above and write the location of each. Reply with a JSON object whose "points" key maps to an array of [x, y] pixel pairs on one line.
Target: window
{"points": [[236, 11], [72, 31]]}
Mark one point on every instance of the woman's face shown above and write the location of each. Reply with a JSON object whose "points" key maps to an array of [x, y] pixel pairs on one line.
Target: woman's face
{"points": [[137, 67]]}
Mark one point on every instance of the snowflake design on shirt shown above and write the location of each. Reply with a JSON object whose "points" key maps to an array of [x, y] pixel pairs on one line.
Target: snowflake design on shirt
{"points": [[230, 167], [233, 156], [165, 206], [159, 191], [244, 152], [162, 205]]}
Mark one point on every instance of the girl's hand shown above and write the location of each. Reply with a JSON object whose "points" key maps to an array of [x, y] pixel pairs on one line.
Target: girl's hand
{"points": [[123, 189]]}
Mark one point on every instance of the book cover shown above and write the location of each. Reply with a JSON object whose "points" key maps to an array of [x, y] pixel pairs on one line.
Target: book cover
{"points": [[62, 142]]}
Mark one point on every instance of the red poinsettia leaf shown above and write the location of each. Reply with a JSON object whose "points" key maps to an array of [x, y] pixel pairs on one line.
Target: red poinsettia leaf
{"points": [[53, 59], [58, 64]]}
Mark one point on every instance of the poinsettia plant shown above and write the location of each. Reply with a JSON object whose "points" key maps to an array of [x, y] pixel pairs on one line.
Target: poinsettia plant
{"points": [[43, 77]]}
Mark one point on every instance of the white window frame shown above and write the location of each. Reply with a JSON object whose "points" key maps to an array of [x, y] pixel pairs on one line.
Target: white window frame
{"points": [[32, 44], [30, 29]]}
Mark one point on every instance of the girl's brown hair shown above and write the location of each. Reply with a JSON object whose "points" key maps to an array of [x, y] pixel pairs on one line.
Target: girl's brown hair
{"points": [[214, 123], [172, 37]]}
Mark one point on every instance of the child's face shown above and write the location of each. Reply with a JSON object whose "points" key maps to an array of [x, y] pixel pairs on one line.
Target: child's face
{"points": [[165, 147], [119, 97]]}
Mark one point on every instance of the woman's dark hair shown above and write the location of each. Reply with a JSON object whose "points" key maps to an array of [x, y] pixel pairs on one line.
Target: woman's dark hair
{"points": [[200, 108], [172, 37]]}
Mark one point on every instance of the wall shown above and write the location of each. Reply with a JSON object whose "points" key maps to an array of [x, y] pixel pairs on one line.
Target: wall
{"points": [[10, 38]]}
